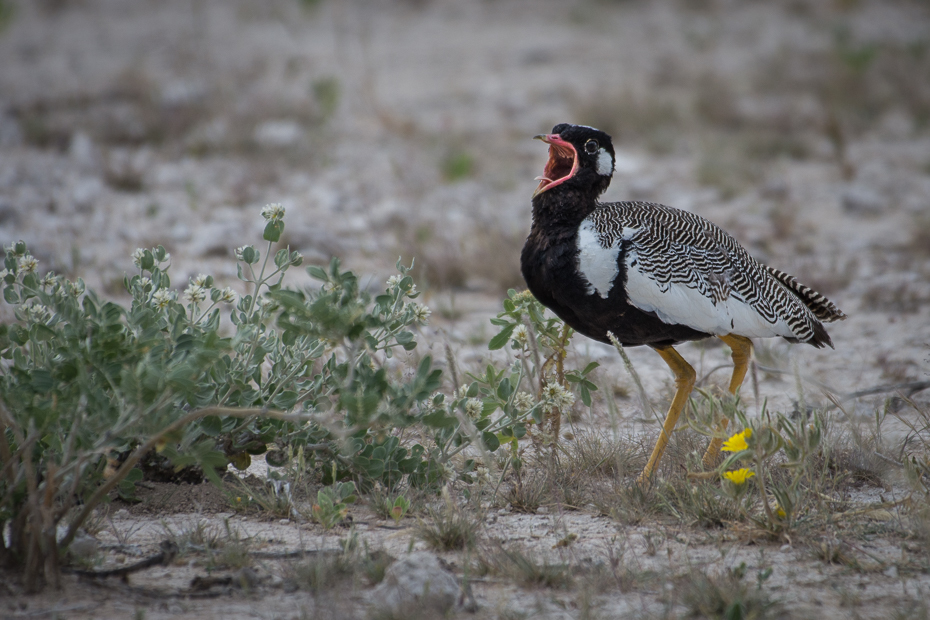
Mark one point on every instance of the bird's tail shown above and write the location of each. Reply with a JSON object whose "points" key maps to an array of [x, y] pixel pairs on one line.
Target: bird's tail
{"points": [[820, 306]]}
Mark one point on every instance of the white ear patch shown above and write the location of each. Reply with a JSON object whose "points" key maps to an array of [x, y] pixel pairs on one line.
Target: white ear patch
{"points": [[605, 163]]}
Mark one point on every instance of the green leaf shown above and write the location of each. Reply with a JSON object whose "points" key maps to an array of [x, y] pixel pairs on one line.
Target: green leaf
{"points": [[211, 425], [42, 333], [585, 396], [317, 273], [282, 258], [42, 381], [504, 390], [498, 341], [241, 461], [19, 334], [439, 419], [535, 315], [285, 400], [589, 368], [273, 230], [148, 261], [491, 442], [9, 294]]}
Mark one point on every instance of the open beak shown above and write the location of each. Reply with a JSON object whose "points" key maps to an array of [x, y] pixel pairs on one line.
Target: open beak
{"points": [[562, 164]]}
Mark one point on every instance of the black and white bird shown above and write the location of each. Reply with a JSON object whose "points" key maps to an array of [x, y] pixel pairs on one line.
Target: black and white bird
{"points": [[653, 275]]}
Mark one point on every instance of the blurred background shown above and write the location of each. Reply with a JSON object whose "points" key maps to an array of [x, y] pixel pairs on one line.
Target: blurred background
{"points": [[403, 128]]}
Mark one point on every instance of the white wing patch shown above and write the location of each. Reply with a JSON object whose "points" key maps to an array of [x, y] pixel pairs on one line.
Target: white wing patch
{"points": [[598, 264], [679, 304]]}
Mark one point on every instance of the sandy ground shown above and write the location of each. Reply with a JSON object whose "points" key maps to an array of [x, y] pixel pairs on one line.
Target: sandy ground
{"points": [[403, 129]]}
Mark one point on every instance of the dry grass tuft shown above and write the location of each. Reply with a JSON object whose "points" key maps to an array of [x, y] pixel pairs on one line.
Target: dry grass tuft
{"points": [[450, 527], [531, 489], [521, 567], [727, 596], [327, 571]]}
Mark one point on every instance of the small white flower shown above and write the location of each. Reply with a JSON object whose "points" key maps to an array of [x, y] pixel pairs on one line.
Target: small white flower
{"points": [[239, 252], [523, 297], [463, 392], [162, 298], [273, 212], [421, 313], [473, 408], [195, 294], [394, 282], [137, 257], [524, 401], [37, 313], [28, 264], [228, 296], [75, 289], [520, 335], [48, 281], [201, 281], [483, 474], [557, 397], [265, 305], [145, 283]]}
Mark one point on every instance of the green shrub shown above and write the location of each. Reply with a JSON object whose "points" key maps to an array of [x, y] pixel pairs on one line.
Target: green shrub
{"points": [[88, 387]]}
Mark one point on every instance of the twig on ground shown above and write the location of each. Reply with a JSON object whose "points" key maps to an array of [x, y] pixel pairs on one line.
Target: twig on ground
{"points": [[169, 550]]}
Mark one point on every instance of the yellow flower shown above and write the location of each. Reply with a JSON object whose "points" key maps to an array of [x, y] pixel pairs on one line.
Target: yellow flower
{"points": [[737, 442], [739, 476]]}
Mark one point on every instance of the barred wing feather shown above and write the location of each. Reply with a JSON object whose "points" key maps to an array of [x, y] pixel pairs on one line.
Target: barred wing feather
{"points": [[690, 272]]}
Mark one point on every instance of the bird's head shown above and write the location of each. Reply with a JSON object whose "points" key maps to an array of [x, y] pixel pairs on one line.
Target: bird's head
{"points": [[580, 157]]}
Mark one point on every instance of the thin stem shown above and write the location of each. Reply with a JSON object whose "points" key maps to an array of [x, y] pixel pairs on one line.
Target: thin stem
{"points": [[205, 312], [760, 474]]}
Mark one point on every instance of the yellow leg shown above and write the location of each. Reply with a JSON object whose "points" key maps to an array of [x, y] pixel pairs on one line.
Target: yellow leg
{"points": [[684, 381], [742, 352]]}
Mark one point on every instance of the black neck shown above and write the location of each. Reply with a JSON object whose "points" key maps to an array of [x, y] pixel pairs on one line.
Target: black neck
{"points": [[563, 207]]}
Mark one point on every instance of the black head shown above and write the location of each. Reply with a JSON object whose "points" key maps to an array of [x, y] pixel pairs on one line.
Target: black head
{"points": [[581, 158]]}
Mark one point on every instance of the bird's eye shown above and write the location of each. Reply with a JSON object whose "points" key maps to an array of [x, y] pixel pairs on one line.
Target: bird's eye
{"points": [[590, 147]]}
